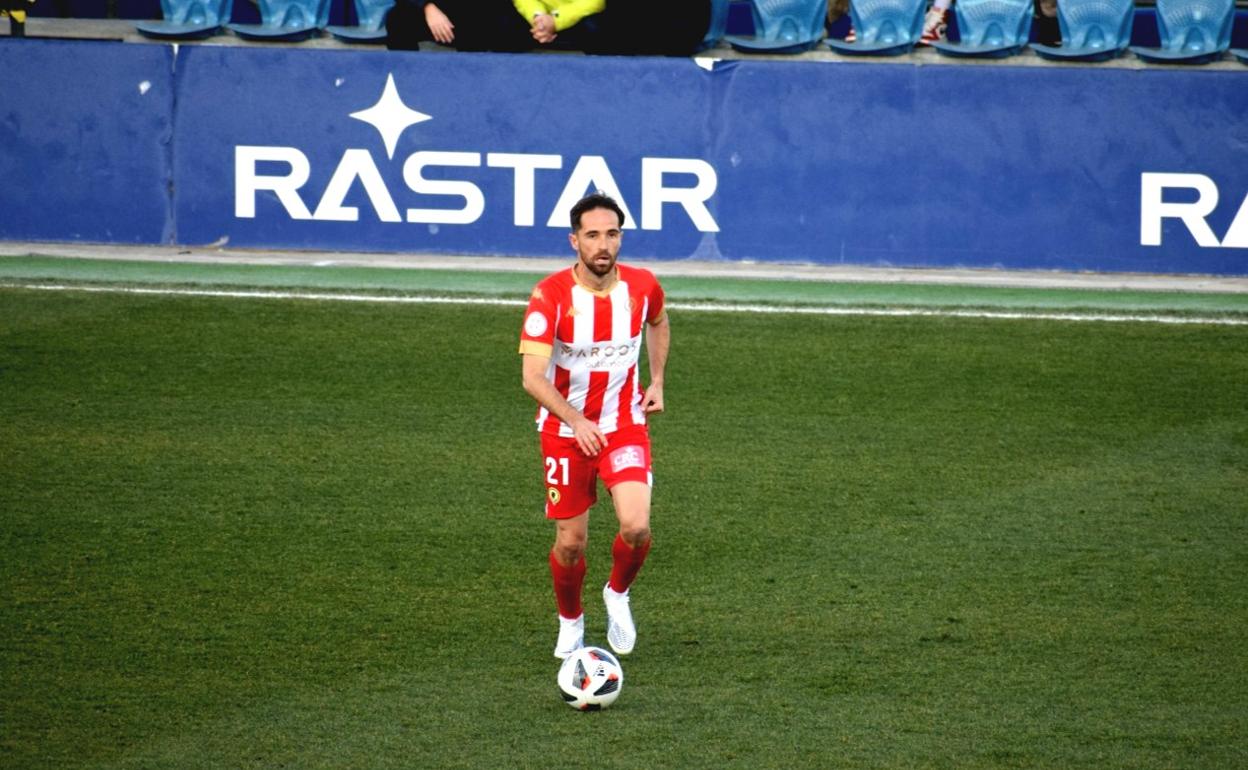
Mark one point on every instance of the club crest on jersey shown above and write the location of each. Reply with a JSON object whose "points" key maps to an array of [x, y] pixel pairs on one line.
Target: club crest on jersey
{"points": [[627, 457], [535, 325], [552, 494]]}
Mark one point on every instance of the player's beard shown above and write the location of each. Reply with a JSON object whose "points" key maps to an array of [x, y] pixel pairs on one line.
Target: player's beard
{"points": [[598, 267]]}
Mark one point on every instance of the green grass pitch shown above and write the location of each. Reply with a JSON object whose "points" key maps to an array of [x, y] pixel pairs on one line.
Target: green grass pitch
{"points": [[261, 533]]}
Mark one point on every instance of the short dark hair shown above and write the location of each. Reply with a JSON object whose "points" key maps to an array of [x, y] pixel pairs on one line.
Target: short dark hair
{"points": [[593, 201]]}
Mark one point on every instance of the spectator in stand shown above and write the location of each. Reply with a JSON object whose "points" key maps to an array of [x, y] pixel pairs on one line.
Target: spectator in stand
{"points": [[565, 24], [411, 22], [1044, 26], [655, 27], [468, 25], [651, 27], [837, 9], [935, 22]]}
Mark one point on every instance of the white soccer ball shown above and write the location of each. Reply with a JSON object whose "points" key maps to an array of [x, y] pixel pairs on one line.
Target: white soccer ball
{"points": [[590, 679]]}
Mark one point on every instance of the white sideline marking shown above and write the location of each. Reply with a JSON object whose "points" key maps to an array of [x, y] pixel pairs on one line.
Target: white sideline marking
{"points": [[716, 307]]}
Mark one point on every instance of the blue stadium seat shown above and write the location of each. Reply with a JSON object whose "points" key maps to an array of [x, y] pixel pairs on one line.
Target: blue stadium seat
{"points": [[370, 24], [783, 26], [1092, 30], [286, 20], [989, 28], [1192, 31], [719, 24], [187, 19], [883, 27]]}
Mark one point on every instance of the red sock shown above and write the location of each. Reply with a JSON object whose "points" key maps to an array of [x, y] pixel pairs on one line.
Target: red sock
{"points": [[626, 561], [568, 582]]}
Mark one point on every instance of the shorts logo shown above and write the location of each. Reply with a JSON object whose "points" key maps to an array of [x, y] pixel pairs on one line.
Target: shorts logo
{"points": [[535, 324], [627, 457], [553, 495]]}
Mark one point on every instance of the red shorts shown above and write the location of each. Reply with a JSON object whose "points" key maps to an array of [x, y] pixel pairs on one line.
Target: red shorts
{"points": [[572, 477]]}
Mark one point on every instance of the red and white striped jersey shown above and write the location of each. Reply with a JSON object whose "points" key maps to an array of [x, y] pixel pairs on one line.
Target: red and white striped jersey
{"points": [[593, 341]]}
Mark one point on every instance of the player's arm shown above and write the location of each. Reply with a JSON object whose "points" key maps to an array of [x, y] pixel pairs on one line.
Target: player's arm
{"points": [[588, 436], [658, 341]]}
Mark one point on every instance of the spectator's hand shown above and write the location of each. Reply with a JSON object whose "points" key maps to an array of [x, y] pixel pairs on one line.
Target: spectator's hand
{"points": [[439, 24], [543, 29]]}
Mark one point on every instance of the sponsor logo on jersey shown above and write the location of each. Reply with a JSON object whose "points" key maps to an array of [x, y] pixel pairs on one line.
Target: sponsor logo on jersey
{"points": [[598, 355]]}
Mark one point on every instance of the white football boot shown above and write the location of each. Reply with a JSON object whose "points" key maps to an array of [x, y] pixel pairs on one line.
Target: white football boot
{"points": [[571, 636], [621, 633]]}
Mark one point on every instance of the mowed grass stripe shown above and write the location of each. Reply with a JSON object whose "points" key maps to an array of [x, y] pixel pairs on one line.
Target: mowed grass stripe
{"points": [[248, 533], [509, 283], [720, 307]]}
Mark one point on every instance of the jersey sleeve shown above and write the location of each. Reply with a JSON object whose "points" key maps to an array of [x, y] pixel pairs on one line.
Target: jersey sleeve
{"points": [[657, 307], [537, 336]]}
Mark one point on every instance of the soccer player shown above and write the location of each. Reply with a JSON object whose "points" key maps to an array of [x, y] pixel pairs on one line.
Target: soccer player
{"points": [[581, 344]]}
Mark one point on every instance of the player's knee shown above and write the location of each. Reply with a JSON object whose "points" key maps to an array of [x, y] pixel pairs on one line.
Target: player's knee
{"points": [[569, 551], [635, 534]]}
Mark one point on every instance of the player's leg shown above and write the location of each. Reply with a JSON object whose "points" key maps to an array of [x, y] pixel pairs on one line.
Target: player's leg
{"points": [[632, 542], [571, 488], [567, 573], [628, 553], [625, 469]]}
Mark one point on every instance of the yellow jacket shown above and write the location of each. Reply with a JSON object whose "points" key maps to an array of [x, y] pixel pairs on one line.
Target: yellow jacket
{"points": [[566, 12]]}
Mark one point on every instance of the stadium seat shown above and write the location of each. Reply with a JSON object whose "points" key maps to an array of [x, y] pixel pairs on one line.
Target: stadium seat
{"points": [[783, 26], [719, 24], [286, 20], [1092, 30], [187, 19], [1191, 31], [989, 28], [883, 27], [370, 23]]}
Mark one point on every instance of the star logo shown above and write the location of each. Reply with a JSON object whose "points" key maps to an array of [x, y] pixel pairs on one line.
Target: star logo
{"points": [[390, 116]]}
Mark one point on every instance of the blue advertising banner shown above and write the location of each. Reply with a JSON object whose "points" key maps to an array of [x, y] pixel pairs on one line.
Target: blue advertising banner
{"points": [[902, 163], [85, 133], [463, 154], [1073, 168]]}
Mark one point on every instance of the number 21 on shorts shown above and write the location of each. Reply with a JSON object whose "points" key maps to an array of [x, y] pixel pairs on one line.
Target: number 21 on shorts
{"points": [[557, 471]]}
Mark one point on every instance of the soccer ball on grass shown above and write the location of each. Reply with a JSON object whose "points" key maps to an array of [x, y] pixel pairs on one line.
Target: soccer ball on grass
{"points": [[590, 679]]}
